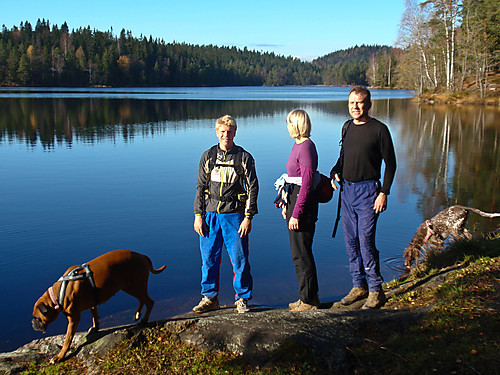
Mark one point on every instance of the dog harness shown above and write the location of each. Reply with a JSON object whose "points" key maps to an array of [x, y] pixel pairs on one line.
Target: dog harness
{"points": [[73, 275]]}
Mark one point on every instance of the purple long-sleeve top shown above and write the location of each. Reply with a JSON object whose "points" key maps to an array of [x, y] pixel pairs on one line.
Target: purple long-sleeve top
{"points": [[303, 162]]}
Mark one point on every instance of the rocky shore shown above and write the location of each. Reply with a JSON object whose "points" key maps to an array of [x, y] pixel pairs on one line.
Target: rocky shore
{"points": [[261, 336]]}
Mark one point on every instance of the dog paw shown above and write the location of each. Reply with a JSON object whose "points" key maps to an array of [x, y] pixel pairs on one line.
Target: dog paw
{"points": [[55, 359], [93, 330], [137, 316]]}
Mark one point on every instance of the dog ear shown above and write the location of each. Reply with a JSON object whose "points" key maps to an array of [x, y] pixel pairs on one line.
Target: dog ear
{"points": [[43, 309]]}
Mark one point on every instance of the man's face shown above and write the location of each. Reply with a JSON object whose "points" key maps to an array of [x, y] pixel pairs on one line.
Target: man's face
{"points": [[226, 135], [359, 107]]}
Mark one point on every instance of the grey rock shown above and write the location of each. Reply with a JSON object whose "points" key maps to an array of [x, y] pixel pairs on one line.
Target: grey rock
{"points": [[262, 336]]}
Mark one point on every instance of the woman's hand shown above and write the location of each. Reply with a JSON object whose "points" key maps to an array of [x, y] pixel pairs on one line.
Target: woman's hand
{"points": [[283, 211], [336, 178]]}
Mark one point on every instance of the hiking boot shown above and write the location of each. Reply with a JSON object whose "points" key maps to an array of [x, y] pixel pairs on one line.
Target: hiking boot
{"points": [[241, 306], [375, 300], [302, 306], [295, 304], [206, 304], [354, 295]]}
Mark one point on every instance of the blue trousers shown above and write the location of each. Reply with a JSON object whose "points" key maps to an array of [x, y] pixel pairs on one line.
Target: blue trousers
{"points": [[223, 230], [359, 222]]}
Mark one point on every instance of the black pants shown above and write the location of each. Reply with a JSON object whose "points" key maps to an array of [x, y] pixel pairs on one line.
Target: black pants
{"points": [[301, 247]]}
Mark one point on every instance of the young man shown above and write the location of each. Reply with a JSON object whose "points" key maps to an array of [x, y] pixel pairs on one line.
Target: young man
{"points": [[225, 203], [365, 143]]}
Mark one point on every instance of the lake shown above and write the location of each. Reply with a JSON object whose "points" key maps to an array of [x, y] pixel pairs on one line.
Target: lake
{"points": [[86, 171]]}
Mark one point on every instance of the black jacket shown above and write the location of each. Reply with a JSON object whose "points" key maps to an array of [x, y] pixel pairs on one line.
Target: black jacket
{"points": [[228, 184]]}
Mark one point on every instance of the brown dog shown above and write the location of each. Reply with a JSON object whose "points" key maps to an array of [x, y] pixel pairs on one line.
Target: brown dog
{"points": [[434, 232], [114, 271]]}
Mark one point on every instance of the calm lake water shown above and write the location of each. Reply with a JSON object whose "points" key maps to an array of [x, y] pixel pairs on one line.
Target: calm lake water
{"points": [[85, 172]]}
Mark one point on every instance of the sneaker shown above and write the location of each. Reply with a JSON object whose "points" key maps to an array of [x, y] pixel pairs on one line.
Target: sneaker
{"points": [[241, 306], [302, 306], [354, 295], [296, 304], [375, 300], [206, 304]]}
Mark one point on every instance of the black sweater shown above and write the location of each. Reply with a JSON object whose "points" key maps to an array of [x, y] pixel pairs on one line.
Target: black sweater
{"points": [[364, 147]]}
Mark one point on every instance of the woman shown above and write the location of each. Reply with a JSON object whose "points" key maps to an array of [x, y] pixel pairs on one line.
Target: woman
{"points": [[301, 211]]}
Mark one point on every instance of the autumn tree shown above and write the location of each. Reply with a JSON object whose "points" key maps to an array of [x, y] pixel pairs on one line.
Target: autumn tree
{"points": [[415, 34], [479, 41], [445, 18]]}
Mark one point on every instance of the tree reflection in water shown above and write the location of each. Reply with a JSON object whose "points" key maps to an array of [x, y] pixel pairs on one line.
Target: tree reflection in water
{"points": [[453, 158], [62, 206]]}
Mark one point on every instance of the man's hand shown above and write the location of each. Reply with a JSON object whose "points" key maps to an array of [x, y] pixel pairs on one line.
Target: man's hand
{"points": [[245, 227], [336, 178], [380, 203], [293, 224], [200, 226], [283, 211]]}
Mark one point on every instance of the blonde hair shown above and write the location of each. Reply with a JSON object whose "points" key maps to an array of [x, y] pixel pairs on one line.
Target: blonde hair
{"points": [[225, 120], [299, 123]]}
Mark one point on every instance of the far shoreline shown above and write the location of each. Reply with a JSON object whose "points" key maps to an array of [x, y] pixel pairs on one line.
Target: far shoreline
{"points": [[439, 98]]}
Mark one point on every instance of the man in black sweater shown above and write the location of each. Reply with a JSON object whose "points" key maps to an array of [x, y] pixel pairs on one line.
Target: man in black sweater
{"points": [[365, 143]]}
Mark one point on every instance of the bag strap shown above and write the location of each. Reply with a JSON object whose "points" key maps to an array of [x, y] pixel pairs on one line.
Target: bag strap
{"points": [[345, 127], [337, 219]]}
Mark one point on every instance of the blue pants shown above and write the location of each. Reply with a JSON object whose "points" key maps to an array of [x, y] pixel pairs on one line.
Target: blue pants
{"points": [[223, 230], [359, 222]]}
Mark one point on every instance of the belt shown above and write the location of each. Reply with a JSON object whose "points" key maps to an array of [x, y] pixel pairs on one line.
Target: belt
{"points": [[349, 183]]}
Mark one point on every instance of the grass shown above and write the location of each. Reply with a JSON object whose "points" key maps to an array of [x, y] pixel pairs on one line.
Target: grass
{"points": [[469, 95], [458, 335], [70, 367], [156, 351], [462, 97]]}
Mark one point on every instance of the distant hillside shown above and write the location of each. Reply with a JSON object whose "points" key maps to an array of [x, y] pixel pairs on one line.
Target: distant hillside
{"points": [[351, 66], [353, 54], [49, 55]]}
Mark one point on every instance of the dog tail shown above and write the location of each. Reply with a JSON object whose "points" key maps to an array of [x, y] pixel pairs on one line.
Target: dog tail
{"points": [[479, 212], [159, 270], [151, 269]]}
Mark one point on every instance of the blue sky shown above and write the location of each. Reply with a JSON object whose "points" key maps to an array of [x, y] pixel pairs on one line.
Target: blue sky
{"points": [[304, 29]]}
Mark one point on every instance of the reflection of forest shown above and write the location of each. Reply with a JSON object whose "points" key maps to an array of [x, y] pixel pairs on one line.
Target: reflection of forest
{"points": [[451, 153], [62, 120], [453, 158], [50, 121]]}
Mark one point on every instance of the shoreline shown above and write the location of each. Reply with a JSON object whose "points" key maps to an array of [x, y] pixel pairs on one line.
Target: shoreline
{"points": [[416, 322]]}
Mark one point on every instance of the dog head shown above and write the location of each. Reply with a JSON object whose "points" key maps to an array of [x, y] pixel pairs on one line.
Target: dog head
{"points": [[412, 251], [43, 313], [411, 254]]}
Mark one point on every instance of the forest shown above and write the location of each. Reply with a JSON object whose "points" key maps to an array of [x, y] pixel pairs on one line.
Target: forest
{"points": [[449, 45], [48, 55]]}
